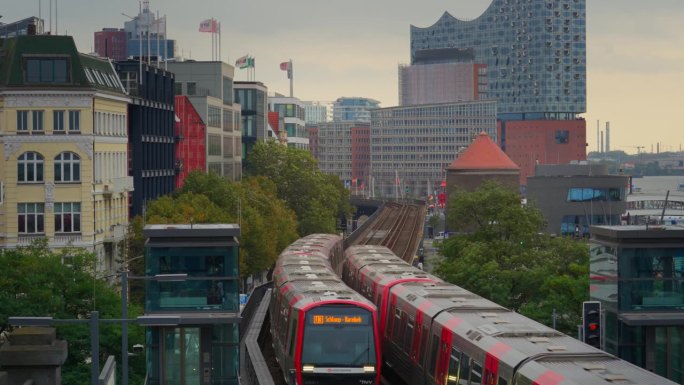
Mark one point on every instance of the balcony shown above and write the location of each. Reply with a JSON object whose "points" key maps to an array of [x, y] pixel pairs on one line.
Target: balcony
{"points": [[115, 233], [66, 240], [117, 185]]}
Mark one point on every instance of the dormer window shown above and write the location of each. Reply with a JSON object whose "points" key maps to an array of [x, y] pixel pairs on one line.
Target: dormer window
{"points": [[47, 70]]}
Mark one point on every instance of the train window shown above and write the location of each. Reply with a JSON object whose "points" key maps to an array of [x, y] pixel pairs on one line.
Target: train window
{"points": [[408, 336], [465, 370], [390, 321], [454, 361], [433, 355], [502, 381], [293, 328], [476, 373], [423, 342], [397, 325]]}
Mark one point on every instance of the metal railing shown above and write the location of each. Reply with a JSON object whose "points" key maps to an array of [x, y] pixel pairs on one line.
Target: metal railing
{"points": [[255, 369]]}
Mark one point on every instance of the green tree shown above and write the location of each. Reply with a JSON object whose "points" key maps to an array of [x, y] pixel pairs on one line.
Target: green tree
{"points": [[38, 282], [499, 252], [266, 224], [317, 199]]}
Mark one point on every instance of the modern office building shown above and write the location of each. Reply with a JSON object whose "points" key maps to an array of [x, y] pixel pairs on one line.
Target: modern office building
{"points": [[151, 134], [411, 146], [191, 148], [29, 26], [573, 197], [354, 109], [535, 53], [111, 43], [64, 171], [637, 273], [291, 110], [312, 130], [209, 87], [146, 35], [253, 98], [442, 76], [192, 274], [344, 150], [316, 112]]}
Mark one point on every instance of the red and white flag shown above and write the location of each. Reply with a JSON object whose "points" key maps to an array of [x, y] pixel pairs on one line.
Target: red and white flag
{"points": [[208, 25], [287, 66]]}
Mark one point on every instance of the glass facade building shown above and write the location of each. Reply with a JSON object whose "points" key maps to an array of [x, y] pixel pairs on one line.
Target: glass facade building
{"points": [[534, 50], [415, 144], [192, 275], [637, 272], [253, 100], [354, 109], [291, 110]]}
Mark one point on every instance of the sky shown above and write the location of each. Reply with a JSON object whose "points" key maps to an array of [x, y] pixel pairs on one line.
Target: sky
{"points": [[635, 50]]}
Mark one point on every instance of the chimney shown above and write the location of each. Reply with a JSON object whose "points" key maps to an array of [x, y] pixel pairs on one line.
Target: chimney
{"points": [[607, 136]]}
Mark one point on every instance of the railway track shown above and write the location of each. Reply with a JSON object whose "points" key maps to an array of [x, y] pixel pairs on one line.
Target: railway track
{"points": [[399, 227]]}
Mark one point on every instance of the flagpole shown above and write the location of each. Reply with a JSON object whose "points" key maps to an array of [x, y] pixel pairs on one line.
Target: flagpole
{"points": [[291, 73], [156, 30], [166, 46], [219, 41]]}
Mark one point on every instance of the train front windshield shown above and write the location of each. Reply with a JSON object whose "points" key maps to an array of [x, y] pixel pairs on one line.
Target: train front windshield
{"points": [[339, 336]]}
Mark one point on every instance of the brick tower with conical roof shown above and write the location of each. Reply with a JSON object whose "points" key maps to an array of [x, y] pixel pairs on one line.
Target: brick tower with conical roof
{"points": [[483, 160]]}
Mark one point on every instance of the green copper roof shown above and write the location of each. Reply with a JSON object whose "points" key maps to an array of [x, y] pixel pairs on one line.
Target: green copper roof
{"points": [[84, 71]]}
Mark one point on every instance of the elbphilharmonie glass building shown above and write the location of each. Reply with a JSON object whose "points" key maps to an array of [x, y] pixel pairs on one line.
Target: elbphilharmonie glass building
{"points": [[535, 52]]}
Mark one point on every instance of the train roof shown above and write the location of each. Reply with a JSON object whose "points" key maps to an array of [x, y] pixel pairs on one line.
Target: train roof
{"points": [[303, 273], [592, 369]]}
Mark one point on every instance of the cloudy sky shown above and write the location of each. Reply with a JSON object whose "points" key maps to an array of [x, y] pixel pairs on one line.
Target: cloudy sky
{"points": [[635, 58]]}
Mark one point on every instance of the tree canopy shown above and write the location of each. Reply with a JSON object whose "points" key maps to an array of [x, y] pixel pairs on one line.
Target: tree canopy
{"points": [[37, 282], [267, 225], [317, 199], [500, 253]]}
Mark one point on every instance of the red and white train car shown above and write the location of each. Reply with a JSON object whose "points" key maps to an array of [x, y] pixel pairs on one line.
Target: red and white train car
{"points": [[323, 332], [438, 333]]}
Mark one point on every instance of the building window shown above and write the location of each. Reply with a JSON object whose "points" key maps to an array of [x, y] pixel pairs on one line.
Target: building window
{"points": [[58, 121], [562, 136], [30, 167], [178, 88], [74, 120], [31, 218], [191, 88], [37, 116], [22, 120], [214, 116], [47, 70], [67, 167], [227, 90], [68, 217]]}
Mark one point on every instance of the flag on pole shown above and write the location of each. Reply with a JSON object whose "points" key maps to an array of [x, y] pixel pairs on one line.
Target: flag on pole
{"points": [[208, 25], [245, 62], [287, 66]]}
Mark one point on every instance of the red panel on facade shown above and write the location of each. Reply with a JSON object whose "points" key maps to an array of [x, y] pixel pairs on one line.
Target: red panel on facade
{"points": [[274, 121], [191, 148], [360, 143], [531, 142]]}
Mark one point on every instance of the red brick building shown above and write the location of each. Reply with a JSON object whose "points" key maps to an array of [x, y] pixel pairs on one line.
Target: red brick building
{"points": [[360, 142], [191, 151], [111, 43], [531, 142]]}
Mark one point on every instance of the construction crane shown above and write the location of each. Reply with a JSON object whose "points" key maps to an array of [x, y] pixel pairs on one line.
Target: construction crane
{"points": [[639, 148]]}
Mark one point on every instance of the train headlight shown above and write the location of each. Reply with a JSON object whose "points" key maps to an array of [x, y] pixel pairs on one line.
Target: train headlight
{"points": [[369, 369], [452, 378], [307, 368]]}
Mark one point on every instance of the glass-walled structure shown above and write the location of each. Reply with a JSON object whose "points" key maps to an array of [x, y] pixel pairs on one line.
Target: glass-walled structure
{"points": [[637, 272], [192, 274]]}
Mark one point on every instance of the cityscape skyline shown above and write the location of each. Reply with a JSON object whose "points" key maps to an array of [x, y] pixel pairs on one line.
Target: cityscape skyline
{"points": [[633, 64]]}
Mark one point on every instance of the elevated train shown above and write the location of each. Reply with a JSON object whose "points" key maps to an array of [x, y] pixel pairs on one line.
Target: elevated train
{"points": [[436, 333], [323, 332]]}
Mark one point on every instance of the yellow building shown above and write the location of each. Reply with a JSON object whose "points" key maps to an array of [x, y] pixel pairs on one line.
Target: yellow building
{"points": [[64, 168]]}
